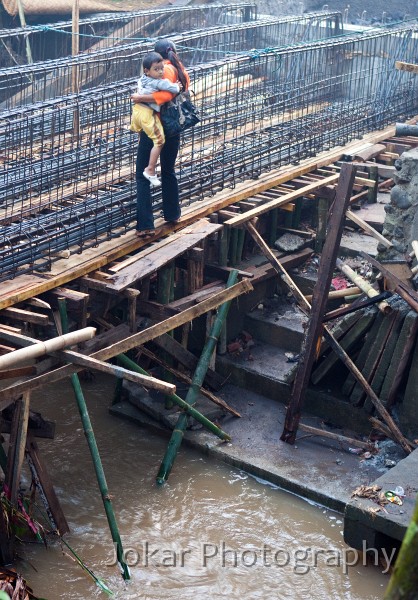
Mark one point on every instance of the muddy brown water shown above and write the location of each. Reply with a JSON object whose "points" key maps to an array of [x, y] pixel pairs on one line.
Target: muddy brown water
{"points": [[211, 532]]}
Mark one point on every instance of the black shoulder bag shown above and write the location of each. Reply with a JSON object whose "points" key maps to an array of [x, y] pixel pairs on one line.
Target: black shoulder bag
{"points": [[179, 114]]}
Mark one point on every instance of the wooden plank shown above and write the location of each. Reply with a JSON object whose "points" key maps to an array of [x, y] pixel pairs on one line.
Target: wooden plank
{"points": [[25, 315], [17, 444], [63, 271], [404, 66], [333, 436], [145, 266], [9, 394], [368, 228], [19, 372], [285, 199]]}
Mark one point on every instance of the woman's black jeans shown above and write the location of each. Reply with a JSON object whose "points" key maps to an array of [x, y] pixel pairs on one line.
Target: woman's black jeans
{"points": [[169, 184]]}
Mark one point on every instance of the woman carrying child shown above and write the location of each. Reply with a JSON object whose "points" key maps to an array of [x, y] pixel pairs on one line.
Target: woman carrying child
{"points": [[145, 117], [175, 72]]}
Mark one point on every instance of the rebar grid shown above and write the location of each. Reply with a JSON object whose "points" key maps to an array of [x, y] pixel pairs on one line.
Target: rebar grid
{"points": [[53, 40], [54, 78], [259, 112]]}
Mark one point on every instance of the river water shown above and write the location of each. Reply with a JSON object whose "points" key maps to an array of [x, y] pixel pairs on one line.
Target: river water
{"points": [[211, 532]]}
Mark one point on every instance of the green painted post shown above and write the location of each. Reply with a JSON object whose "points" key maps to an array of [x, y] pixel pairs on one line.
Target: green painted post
{"points": [[198, 377], [94, 451]]}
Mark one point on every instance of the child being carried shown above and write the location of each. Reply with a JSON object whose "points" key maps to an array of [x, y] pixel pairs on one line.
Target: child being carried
{"points": [[145, 116]]}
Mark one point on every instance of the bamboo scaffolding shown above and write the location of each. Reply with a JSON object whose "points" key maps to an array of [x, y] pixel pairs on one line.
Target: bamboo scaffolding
{"points": [[94, 451], [197, 380], [364, 285], [41, 348]]}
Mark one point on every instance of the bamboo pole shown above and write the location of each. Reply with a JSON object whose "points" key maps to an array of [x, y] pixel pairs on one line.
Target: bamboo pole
{"points": [[361, 283], [197, 380], [403, 584], [94, 451], [40, 349], [180, 402]]}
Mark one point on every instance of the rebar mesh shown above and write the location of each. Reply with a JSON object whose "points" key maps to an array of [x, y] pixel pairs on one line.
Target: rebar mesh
{"points": [[259, 112], [53, 41], [54, 78]]}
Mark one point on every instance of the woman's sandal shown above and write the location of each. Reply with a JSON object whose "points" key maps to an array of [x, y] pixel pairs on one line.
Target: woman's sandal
{"points": [[144, 233], [153, 179]]}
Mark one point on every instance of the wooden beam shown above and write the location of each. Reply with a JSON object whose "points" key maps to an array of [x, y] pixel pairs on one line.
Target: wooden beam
{"points": [[25, 315], [92, 363], [368, 228], [403, 66], [186, 379], [333, 436], [9, 394], [263, 208], [118, 372], [319, 300], [17, 444]]}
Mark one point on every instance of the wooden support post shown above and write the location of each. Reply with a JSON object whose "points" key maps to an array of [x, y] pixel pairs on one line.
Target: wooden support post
{"points": [[45, 488], [372, 191], [164, 294], [321, 229], [333, 436], [17, 443], [132, 296], [223, 247], [274, 215], [233, 246], [195, 267], [320, 297]]}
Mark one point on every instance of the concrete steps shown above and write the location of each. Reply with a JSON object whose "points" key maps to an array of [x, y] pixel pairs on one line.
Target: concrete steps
{"points": [[264, 368]]}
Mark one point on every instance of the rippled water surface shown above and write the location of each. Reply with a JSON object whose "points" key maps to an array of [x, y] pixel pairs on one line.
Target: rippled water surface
{"points": [[212, 532]]}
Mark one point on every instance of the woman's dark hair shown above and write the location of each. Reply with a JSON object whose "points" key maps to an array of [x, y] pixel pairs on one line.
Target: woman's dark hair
{"points": [[150, 59], [168, 50]]}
